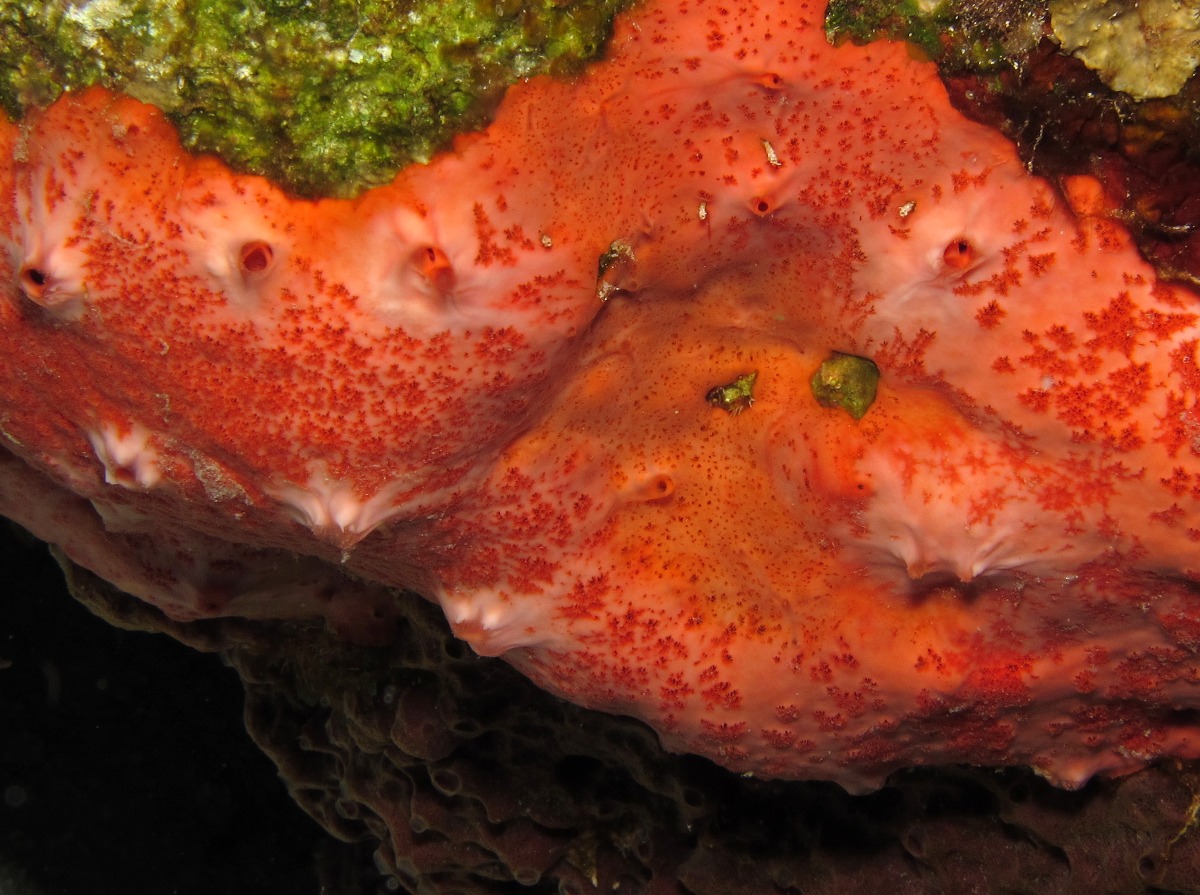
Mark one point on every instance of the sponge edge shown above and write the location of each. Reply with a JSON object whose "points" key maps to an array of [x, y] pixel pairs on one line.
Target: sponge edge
{"points": [[186, 574], [493, 381], [837, 617]]}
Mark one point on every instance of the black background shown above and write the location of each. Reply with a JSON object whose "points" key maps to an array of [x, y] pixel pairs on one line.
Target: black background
{"points": [[124, 763]]}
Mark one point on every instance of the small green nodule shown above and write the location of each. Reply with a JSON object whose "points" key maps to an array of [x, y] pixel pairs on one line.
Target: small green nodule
{"points": [[848, 382], [734, 397]]}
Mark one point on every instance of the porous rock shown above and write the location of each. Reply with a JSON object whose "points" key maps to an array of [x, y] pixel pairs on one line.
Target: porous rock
{"points": [[471, 780]]}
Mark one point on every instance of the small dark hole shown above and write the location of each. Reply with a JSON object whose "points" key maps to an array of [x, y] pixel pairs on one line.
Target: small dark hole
{"points": [[762, 206], [914, 843], [446, 781], [527, 876], [659, 487], [256, 257], [1148, 865], [959, 254], [434, 265], [33, 282]]}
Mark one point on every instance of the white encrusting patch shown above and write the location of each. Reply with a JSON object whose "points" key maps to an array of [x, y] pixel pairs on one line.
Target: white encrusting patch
{"points": [[218, 484], [929, 530], [55, 287], [491, 621], [234, 243], [333, 511], [47, 250], [242, 267], [415, 283], [51, 259], [127, 456], [966, 557], [461, 268]]}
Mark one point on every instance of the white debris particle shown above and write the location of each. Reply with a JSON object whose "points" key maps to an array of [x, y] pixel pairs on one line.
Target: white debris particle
{"points": [[97, 15], [771, 156]]}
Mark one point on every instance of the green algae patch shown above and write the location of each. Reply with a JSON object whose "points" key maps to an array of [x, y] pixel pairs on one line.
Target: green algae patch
{"points": [[974, 35], [848, 382], [328, 97]]}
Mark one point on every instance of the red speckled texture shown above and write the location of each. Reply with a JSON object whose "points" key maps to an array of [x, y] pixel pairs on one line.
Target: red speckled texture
{"points": [[997, 564]]}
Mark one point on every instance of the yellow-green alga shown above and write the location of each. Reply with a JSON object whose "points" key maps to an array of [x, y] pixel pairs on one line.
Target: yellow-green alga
{"points": [[326, 96]]}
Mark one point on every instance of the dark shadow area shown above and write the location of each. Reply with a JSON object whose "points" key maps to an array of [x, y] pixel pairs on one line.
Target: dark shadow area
{"points": [[124, 763]]}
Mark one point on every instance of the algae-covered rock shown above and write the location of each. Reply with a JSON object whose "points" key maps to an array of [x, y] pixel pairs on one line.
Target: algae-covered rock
{"points": [[326, 96], [971, 34]]}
